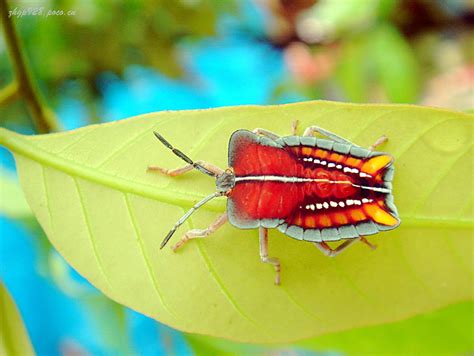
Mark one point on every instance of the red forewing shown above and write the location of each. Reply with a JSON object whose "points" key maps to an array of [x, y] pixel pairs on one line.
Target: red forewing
{"points": [[334, 196]]}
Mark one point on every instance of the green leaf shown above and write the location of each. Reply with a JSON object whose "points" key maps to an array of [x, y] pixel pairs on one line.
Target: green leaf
{"points": [[445, 331], [14, 339], [353, 69], [381, 57], [106, 215], [12, 200], [395, 64]]}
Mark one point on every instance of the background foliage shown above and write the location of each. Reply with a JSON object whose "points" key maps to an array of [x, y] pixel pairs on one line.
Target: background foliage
{"points": [[111, 61]]}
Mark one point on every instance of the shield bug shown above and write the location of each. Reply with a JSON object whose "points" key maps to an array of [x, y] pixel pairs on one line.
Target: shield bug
{"points": [[309, 188]]}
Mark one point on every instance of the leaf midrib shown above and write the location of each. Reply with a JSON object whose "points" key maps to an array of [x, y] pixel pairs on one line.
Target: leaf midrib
{"points": [[17, 143], [20, 145]]}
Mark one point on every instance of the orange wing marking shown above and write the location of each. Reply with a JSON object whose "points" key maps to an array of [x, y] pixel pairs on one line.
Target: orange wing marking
{"points": [[379, 215], [375, 164]]}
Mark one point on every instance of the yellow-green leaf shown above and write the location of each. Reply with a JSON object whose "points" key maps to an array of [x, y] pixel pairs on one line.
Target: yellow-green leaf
{"points": [[14, 339], [106, 215], [12, 200], [445, 331]]}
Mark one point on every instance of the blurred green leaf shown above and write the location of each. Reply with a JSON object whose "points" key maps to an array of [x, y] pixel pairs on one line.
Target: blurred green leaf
{"points": [[395, 64], [14, 338], [352, 70], [111, 319], [106, 215], [340, 17], [61, 47], [445, 331], [12, 200], [379, 60], [386, 7]]}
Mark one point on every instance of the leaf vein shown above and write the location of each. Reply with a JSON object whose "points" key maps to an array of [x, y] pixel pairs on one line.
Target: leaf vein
{"points": [[125, 145], [47, 198], [205, 138], [406, 149], [300, 305], [353, 285], [22, 146], [145, 256], [220, 283], [86, 130], [414, 273], [466, 207], [442, 174], [371, 122], [89, 232], [457, 257]]}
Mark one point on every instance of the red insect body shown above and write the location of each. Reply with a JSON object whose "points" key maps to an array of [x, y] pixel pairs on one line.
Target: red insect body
{"points": [[264, 200], [308, 188], [257, 200]]}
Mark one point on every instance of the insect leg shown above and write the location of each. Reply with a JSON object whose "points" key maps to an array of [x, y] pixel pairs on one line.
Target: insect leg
{"points": [[178, 171], [364, 240], [294, 127], [328, 251], [263, 237], [382, 139], [201, 233], [183, 156], [266, 133], [171, 172], [310, 131]]}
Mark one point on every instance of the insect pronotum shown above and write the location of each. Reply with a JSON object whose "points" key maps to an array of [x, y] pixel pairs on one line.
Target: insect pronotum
{"points": [[309, 188]]}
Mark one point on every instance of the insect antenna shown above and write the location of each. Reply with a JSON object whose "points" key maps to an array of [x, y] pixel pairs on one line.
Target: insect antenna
{"points": [[187, 215], [183, 156]]}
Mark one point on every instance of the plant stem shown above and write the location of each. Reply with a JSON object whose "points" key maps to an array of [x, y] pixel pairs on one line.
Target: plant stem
{"points": [[43, 117], [9, 93]]}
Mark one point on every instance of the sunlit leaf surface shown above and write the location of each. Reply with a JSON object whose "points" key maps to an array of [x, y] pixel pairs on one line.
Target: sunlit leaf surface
{"points": [[106, 215], [445, 331]]}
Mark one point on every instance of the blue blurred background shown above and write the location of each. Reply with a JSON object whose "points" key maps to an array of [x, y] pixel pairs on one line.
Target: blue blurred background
{"points": [[110, 60]]}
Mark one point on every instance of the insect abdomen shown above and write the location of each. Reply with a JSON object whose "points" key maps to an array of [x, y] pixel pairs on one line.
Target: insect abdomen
{"points": [[310, 188]]}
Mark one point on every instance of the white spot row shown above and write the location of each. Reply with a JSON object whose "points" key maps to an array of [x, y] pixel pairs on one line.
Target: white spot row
{"points": [[338, 166], [333, 204]]}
